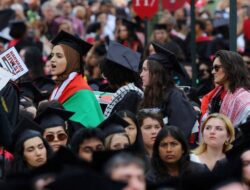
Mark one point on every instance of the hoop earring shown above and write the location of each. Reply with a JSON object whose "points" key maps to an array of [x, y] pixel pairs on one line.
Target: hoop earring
{"points": [[227, 143]]}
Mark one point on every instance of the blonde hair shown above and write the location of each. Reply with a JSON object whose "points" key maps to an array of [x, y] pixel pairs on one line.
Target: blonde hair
{"points": [[229, 127], [108, 139], [73, 62]]}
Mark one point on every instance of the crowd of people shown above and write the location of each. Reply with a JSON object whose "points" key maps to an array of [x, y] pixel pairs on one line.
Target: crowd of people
{"points": [[156, 131]]}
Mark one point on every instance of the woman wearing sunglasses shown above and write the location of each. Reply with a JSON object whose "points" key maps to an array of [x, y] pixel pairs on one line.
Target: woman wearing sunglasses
{"points": [[53, 119], [231, 97]]}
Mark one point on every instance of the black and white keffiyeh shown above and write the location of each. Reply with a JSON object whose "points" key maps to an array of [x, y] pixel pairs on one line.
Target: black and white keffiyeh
{"points": [[118, 96]]}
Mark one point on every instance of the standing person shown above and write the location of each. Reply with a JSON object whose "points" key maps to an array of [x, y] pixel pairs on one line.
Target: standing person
{"points": [[170, 160], [121, 69], [231, 97], [72, 89], [160, 91], [218, 134]]}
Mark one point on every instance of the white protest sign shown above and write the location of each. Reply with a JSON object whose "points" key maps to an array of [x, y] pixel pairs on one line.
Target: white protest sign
{"points": [[5, 76], [12, 62]]}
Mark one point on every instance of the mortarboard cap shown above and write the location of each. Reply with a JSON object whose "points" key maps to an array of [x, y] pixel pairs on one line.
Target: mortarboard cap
{"points": [[166, 58], [52, 117], [123, 56], [130, 25], [74, 42], [113, 124], [160, 27], [24, 130], [17, 28], [27, 89]]}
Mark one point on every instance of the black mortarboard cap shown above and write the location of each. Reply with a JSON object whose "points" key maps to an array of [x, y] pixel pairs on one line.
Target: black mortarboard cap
{"points": [[113, 124], [5, 16], [160, 27], [17, 28], [130, 25], [74, 42], [123, 56], [27, 89], [24, 130], [52, 117], [166, 58]]}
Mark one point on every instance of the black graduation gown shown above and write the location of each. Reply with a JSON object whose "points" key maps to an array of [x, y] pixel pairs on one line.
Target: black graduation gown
{"points": [[188, 169], [129, 102], [10, 94], [178, 111]]}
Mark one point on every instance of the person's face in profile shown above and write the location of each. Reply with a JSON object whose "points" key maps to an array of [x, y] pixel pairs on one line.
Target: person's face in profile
{"points": [[132, 174], [58, 61], [131, 130], [145, 75], [218, 72]]}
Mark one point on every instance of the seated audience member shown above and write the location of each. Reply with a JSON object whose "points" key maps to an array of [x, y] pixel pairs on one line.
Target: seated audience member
{"points": [[217, 135], [53, 118], [127, 168], [170, 159], [86, 141]]}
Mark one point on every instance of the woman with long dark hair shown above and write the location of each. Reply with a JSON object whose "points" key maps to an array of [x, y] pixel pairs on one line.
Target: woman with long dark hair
{"points": [[231, 97], [170, 160], [161, 92]]}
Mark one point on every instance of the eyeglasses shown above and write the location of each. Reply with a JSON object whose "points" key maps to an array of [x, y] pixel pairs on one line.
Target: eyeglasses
{"points": [[216, 67], [60, 137]]}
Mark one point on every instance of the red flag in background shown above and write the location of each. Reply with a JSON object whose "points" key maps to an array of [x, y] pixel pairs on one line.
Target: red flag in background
{"points": [[173, 5], [145, 8]]}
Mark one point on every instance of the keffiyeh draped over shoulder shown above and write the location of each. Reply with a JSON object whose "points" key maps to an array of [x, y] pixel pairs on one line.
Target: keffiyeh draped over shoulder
{"points": [[119, 95], [236, 105]]}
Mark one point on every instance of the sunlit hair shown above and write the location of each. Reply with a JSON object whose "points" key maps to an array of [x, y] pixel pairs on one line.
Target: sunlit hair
{"points": [[230, 130], [108, 140], [73, 62]]}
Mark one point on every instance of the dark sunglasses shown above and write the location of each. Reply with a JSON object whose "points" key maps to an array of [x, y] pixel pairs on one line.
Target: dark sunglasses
{"points": [[60, 137], [216, 67]]}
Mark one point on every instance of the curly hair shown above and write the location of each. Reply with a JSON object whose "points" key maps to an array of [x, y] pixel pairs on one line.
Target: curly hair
{"points": [[235, 69]]}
